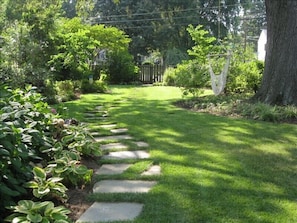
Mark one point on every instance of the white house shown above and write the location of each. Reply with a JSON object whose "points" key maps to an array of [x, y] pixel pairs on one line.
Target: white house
{"points": [[262, 45]]}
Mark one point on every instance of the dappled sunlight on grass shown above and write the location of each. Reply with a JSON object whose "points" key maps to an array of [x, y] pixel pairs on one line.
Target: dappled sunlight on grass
{"points": [[214, 169]]}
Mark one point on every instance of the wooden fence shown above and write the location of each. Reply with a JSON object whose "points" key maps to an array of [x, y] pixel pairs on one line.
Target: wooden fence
{"points": [[151, 73]]}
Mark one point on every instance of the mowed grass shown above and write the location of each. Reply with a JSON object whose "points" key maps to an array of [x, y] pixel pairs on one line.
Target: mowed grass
{"points": [[214, 169]]}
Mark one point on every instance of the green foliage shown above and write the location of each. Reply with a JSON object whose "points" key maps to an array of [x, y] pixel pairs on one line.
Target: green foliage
{"points": [[78, 46], [68, 169], [27, 41], [191, 77], [121, 68], [239, 105], [31, 135], [28, 211], [245, 72], [22, 62], [23, 127], [77, 138], [65, 90], [203, 43], [163, 23], [98, 86], [44, 187], [175, 56], [169, 77]]}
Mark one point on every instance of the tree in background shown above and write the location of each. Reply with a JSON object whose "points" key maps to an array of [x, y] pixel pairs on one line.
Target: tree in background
{"points": [[78, 45], [28, 45], [162, 25]]}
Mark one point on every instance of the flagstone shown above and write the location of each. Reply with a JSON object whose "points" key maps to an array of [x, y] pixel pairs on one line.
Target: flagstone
{"points": [[109, 212], [108, 126], [90, 115], [100, 107], [153, 170], [112, 169], [114, 137], [138, 154], [141, 144], [110, 146], [123, 186], [95, 134], [120, 130]]}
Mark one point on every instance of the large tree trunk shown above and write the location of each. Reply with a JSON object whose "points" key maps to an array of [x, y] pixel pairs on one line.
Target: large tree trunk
{"points": [[279, 84]]}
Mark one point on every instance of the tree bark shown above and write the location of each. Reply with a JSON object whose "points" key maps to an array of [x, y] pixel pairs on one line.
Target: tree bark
{"points": [[279, 84]]}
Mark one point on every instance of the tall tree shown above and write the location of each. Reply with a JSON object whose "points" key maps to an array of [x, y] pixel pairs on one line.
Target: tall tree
{"points": [[279, 84], [162, 24]]}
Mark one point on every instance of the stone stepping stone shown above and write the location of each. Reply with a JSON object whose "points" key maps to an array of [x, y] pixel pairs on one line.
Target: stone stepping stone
{"points": [[115, 137], [90, 115], [95, 134], [123, 186], [141, 144], [103, 117], [138, 154], [112, 169], [100, 107], [153, 170], [108, 126], [113, 146], [109, 212], [118, 131]]}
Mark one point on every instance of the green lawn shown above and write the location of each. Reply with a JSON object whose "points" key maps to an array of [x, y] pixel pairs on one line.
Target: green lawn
{"points": [[214, 169]]}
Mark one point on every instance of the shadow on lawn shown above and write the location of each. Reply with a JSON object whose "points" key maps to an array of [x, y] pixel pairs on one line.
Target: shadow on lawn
{"points": [[214, 164], [214, 169]]}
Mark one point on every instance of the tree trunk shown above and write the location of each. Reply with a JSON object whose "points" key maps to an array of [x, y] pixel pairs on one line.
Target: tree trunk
{"points": [[279, 84]]}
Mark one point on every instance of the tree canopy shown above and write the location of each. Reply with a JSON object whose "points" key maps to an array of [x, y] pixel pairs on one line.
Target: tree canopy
{"points": [[162, 24]]}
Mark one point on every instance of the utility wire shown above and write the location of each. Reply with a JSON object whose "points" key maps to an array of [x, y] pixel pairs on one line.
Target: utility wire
{"points": [[180, 10]]}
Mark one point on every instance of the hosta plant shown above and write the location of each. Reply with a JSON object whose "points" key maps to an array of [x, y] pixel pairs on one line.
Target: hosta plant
{"points": [[67, 166], [28, 211], [42, 186]]}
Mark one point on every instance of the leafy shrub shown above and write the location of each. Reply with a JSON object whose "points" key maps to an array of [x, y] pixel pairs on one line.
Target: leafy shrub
{"points": [[69, 170], [244, 77], [245, 72], [24, 123], [192, 77], [50, 92], [51, 188], [29, 211], [239, 105], [169, 77], [29, 135], [98, 86], [65, 90], [121, 68]]}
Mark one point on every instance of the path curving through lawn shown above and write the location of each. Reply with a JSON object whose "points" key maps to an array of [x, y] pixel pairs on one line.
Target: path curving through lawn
{"points": [[214, 169]]}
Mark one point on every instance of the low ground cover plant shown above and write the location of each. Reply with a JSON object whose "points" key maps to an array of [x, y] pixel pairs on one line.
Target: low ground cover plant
{"points": [[34, 143], [240, 105]]}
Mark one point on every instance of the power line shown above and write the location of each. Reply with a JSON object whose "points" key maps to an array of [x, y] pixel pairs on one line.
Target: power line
{"points": [[178, 11]]}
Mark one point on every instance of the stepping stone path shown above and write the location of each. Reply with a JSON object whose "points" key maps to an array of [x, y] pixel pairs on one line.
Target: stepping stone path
{"points": [[112, 146], [118, 131], [123, 186], [112, 138], [117, 211], [140, 154], [111, 169]]}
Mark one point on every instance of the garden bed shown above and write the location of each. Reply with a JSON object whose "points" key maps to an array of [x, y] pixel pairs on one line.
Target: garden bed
{"points": [[239, 106]]}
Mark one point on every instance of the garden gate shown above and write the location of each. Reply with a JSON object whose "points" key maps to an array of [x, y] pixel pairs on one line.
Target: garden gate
{"points": [[151, 73]]}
